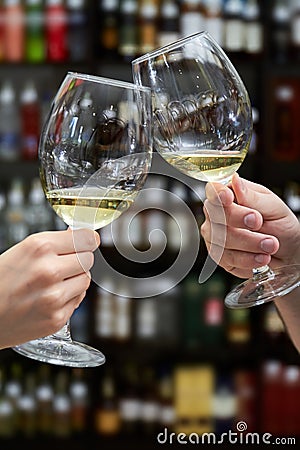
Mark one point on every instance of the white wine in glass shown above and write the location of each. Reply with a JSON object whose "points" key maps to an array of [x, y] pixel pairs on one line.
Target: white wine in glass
{"points": [[202, 125], [95, 153]]}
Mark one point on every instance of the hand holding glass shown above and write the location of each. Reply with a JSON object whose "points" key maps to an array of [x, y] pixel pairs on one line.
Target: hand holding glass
{"points": [[203, 126], [95, 154]]}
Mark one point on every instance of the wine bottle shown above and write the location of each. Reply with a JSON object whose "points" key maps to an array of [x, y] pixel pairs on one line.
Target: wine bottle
{"points": [[107, 416], [30, 121], [35, 46], [56, 31], [14, 30]]}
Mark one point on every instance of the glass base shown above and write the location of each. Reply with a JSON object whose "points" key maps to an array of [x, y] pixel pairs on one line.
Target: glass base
{"points": [[265, 285], [61, 352]]}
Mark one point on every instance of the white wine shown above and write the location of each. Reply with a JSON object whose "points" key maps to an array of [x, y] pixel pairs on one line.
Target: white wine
{"points": [[89, 207], [206, 165]]}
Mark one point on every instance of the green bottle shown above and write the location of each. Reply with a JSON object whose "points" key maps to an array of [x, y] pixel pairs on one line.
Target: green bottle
{"points": [[35, 48]]}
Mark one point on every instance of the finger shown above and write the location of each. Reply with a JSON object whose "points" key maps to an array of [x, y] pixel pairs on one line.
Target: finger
{"points": [[70, 241], [71, 265], [233, 260], [258, 197], [234, 216], [75, 286], [240, 239], [218, 194]]}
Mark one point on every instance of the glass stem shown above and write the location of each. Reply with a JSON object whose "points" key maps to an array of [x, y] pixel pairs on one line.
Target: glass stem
{"points": [[260, 272], [64, 333]]}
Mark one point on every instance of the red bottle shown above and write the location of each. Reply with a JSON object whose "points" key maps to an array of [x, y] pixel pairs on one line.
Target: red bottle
{"points": [[56, 31], [30, 122]]}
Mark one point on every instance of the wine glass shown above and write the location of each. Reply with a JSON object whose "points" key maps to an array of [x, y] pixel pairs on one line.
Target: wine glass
{"points": [[95, 153], [202, 125]]}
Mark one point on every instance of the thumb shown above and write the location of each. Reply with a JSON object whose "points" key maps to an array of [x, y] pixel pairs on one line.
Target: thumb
{"points": [[258, 197]]}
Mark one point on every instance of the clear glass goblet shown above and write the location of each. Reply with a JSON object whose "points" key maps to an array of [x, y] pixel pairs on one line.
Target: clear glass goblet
{"points": [[202, 125], [95, 153]]}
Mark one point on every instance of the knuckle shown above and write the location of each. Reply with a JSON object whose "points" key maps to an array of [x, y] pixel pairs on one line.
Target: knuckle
{"points": [[39, 244], [48, 274]]}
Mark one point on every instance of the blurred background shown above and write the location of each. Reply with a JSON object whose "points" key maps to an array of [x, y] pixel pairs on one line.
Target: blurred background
{"points": [[180, 361]]}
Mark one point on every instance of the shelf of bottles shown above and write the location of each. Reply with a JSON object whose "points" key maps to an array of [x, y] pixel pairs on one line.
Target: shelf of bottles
{"points": [[146, 398], [179, 361]]}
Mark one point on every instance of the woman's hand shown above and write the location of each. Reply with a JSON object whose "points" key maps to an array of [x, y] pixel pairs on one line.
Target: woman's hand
{"points": [[43, 279]]}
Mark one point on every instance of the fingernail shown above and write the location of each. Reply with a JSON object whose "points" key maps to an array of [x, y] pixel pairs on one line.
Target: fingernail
{"points": [[267, 245], [250, 220], [222, 197]]}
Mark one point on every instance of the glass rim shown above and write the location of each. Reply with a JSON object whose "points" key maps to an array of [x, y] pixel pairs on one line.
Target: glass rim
{"points": [[109, 81], [171, 46]]}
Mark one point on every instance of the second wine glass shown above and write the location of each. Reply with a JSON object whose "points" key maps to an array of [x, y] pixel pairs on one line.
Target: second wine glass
{"points": [[95, 153], [203, 127]]}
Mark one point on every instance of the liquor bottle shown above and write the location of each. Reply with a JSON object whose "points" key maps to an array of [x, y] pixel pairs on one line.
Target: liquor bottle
{"points": [[281, 32], [107, 416], [192, 305], [13, 391], [2, 18], [35, 48], [7, 430], [178, 227], [128, 29], [168, 29], [168, 313], [27, 408], [246, 387], [290, 407], [56, 31], [224, 404], [14, 30], [80, 401], [16, 213], [285, 136], [166, 415], [238, 327], [214, 23], [104, 312], [253, 28], [130, 400], [108, 28], [295, 30], [123, 315], [149, 405], [44, 396], [146, 319], [61, 406], [271, 396], [78, 34], [9, 123], [191, 17], [39, 215], [234, 28], [30, 121], [274, 336], [147, 26], [213, 311]]}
